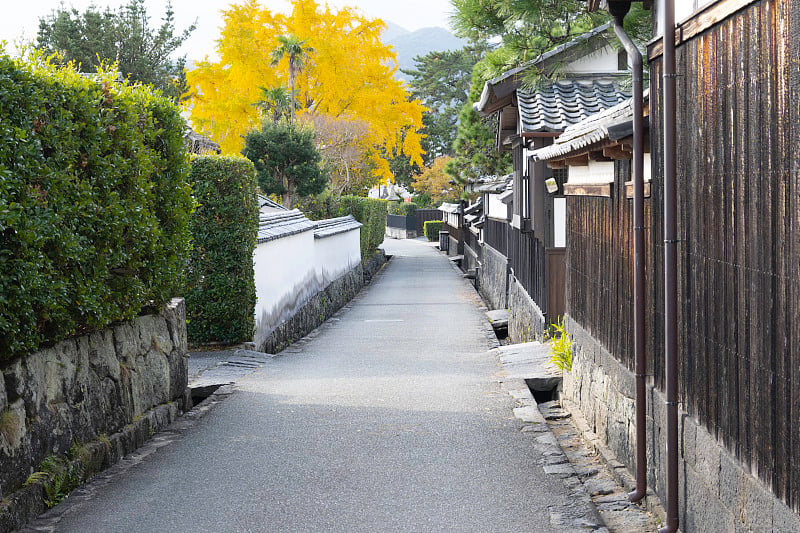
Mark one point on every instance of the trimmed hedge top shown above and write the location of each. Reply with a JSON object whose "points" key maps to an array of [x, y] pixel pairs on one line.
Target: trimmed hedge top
{"points": [[94, 203]]}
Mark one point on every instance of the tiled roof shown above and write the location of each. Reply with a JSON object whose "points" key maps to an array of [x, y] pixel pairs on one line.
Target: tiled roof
{"points": [[449, 208], [608, 124], [475, 208], [264, 201], [508, 81], [497, 185], [276, 225], [557, 105], [335, 226]]}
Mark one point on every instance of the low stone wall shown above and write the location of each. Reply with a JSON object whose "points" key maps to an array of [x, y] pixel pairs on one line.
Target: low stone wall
{"points": [[526, 322], [321, 306], [105, 392], [716, 492], [493, 278]]}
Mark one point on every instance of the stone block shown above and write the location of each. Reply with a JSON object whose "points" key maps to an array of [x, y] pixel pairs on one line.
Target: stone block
{"points": [[3, 396], [103, 355], [126, 341], [730, 482], [757, 504], [707, 459], [784, 520], [703, 511], [688, 432]]}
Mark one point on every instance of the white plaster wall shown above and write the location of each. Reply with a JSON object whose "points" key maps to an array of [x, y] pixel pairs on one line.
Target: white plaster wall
{"points": [[285, 271], [603, 60], [336, 255], [559, 222], [496, 208], [684, 9], [596, 172], [291, 270]]}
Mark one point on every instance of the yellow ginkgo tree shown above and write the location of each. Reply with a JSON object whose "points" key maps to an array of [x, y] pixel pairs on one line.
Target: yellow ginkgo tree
{"points": [[347, 73]]}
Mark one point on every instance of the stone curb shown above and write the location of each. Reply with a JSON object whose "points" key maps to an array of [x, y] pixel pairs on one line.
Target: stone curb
{"points": [[618, 470], [173, 430]]}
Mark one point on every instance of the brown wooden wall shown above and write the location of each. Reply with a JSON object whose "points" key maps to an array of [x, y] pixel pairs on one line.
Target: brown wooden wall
{"points": [[599, 292], [738, 145]]}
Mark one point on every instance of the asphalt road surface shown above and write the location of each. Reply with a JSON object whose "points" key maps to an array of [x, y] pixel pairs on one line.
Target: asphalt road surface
{"points": [[389, 419]]}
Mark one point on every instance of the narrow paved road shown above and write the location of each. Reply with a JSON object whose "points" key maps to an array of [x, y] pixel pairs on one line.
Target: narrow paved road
{"points": [[388, 420]]}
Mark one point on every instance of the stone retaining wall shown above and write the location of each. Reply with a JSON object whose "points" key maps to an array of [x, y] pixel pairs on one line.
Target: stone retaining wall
{"points": [[109, 390], [716, 492], [493, 278], [526, 322]]}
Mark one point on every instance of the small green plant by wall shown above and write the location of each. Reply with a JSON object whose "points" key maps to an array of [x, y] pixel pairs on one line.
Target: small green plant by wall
{"points": [[560, 346], [432, 229]]}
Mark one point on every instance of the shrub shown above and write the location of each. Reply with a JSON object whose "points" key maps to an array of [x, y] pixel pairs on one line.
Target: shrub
{"points": [[402, 208], [220, 303], [370, 212], [561, 347], [94, 202], [432, 229]]}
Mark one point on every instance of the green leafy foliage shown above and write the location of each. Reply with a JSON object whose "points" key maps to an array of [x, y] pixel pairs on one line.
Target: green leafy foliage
{"points": [[369, 211], [286, 161], [561, 347], [94, 203], [441, 81], [221, 299], [60, 475], [142, 52], [402, 208], [432, 229]]}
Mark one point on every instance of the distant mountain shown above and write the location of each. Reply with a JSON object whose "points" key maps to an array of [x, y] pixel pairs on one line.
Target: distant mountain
{"points": [[409, 45]]}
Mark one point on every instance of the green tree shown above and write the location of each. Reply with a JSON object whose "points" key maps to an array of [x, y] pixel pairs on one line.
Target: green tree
{"points": [[296, 53], [286, 161], [275, 101], [441, 81], [526, 30], [474, 147], [125, 36]]}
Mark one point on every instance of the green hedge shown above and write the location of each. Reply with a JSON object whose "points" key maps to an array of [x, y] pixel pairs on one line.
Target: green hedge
{"points": [[94, 203], [432, 229], [370, 212], [402, 208], [220, 304]]}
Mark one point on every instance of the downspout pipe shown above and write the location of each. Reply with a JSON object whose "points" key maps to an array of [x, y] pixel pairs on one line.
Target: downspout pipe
{"points": [[618, 10], [670, 266]]}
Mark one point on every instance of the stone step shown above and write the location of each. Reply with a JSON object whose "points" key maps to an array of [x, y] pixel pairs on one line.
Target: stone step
{"points": [[498, 318], [530, 361]]}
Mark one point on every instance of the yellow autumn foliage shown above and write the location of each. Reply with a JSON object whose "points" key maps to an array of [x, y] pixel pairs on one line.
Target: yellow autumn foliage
{"points": [[349, 75], [435, 182]]}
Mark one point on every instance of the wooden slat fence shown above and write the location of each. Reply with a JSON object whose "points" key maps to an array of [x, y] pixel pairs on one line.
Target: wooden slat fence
{"points": [[424, 215], [526, 256], [494, 234], [739, 223]]}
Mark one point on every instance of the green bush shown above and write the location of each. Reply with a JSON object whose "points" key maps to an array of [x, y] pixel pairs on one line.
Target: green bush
{"points": [[220, 303], [561, 347], [370, 212], [94, 203], [432, 229], [402, 208]]}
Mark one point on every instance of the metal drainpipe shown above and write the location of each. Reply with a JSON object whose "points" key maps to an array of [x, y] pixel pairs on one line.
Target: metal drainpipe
{"points": [[635, 57], [670, 267]]}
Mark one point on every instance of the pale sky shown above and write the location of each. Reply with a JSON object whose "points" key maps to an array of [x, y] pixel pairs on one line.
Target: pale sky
{"points": [[21, 17]]}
